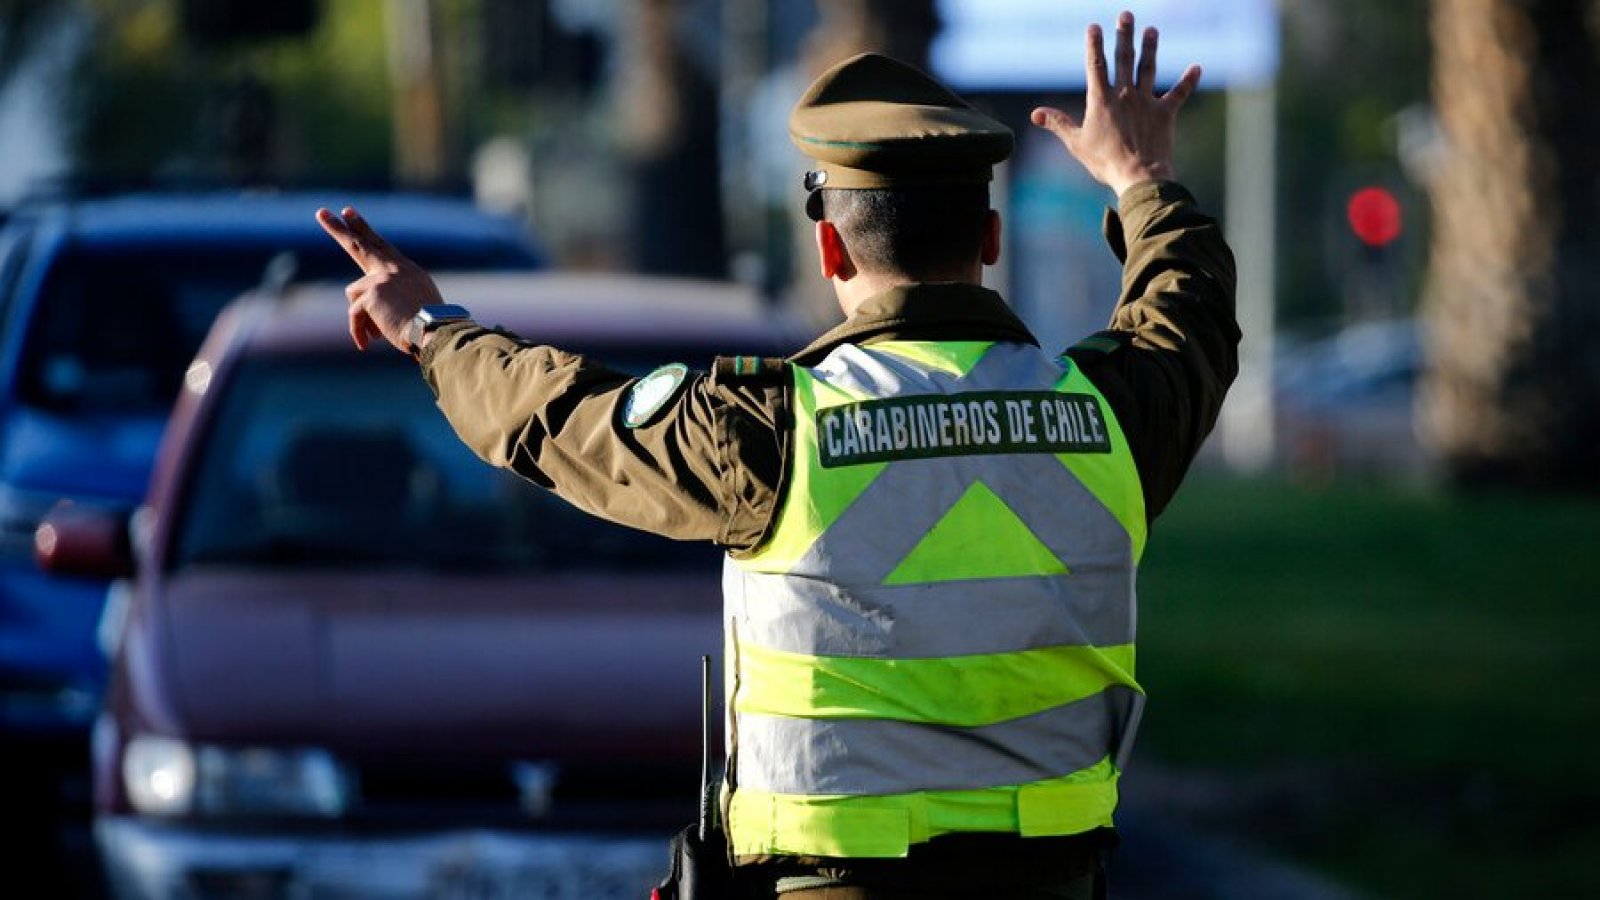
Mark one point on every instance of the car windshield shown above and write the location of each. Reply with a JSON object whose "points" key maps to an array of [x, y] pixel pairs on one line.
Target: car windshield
{"points": [[116, 326], [346, 461]]}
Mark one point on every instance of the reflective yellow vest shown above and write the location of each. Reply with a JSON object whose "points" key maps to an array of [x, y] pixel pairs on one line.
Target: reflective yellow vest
{"points": [[938, 635]]}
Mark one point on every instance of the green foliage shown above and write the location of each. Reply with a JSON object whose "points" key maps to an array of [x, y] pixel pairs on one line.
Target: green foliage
{"points": [[1418, 668], [128, 104], [336, 86], [146, 103]]}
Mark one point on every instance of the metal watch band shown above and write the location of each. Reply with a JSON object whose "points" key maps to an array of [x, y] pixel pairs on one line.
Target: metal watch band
{"points": [[429, 318]]}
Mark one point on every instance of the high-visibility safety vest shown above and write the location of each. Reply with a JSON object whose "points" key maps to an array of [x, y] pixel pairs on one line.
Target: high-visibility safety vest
{"points": [[938, 634]]}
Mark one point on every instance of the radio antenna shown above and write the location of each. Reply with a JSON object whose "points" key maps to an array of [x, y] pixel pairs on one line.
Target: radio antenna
{"points": [[704, 823]]}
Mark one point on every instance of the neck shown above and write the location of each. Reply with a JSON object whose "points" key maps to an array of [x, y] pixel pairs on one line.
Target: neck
{"points": [[854, 291]]}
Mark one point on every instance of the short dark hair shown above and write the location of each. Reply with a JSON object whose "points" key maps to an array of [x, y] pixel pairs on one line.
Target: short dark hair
{"points": [[919, 232]]}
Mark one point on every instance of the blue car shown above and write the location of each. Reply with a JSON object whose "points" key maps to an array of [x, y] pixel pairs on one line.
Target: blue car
{"points": [[103, 303]]}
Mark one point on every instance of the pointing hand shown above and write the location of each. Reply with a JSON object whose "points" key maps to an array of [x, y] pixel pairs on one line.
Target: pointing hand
{"points": [[392, 287]]}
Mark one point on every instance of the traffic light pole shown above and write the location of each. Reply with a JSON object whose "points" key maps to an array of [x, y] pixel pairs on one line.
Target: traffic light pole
{"points": [[417, 95], [1246, 427]]}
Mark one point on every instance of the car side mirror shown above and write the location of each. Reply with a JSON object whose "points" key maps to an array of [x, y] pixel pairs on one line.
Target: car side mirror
{"points": [[88, 541]]}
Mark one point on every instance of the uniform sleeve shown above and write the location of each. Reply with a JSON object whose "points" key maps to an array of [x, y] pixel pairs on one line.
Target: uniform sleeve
{"points": [[1172, 349], [703, 467]]}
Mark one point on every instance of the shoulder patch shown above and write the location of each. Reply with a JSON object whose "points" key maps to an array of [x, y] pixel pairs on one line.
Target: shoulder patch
{"points": [[727, 369], [651, 394]]}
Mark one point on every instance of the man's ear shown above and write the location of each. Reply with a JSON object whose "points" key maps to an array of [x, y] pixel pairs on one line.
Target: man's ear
{"points": [[991, 238], [832, 256]]}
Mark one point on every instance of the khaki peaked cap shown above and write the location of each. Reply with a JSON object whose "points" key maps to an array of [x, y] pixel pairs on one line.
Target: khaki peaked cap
{"points": [[874, 122]]}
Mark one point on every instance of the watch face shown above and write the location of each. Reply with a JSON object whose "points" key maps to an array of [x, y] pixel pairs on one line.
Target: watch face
{"points": [[442, 312]]}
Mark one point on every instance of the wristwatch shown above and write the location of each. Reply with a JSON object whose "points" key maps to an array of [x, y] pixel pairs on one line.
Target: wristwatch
{"points": [[427, 319]]}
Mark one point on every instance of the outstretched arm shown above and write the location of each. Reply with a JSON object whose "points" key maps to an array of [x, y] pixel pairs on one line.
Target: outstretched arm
{"points": [[1171, 351], [705, 467]]}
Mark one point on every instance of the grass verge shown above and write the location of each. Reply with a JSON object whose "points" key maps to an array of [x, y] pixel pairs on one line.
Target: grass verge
{"points": [[1396, 685]]}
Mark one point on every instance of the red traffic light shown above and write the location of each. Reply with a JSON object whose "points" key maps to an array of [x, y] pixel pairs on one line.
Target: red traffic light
{"points": [[1374, 216]]}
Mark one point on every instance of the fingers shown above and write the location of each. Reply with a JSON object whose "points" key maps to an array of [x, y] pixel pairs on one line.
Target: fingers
{"points": [[1054, 121], [367, 234], [1124, 53], [341, 233], [354, 290], [1147, 63], [1095, 61], [365, 246], [362, 329], [1180, 92]]}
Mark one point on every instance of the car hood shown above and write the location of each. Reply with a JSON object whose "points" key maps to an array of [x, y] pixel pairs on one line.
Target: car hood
{"points": [[102, 456], [589, 667]]}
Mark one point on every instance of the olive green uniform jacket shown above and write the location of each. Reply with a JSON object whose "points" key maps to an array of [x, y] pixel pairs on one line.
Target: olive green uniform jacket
{"points": [[710, 464]]}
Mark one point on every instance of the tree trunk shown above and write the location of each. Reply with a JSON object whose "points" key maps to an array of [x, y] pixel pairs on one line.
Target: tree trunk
{"points": [[1513, 391], [669, 134], [420, 141], [902, 29]]}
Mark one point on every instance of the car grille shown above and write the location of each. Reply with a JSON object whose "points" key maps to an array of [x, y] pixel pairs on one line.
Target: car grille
{"points": [[499, 794]]}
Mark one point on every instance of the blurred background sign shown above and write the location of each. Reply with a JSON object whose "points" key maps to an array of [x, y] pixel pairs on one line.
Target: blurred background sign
{"points": [[1031, 44]]}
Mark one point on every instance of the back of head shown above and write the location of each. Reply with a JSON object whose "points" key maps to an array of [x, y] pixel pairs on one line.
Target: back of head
{"points": [[922, 233], [904, 166]]}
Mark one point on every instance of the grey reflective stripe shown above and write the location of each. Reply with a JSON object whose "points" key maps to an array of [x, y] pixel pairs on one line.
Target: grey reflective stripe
{"points": [[817, 618], [876, 756], [882, 373]]}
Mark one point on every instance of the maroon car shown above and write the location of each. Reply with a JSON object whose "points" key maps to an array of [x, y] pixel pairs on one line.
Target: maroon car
{"points": [[351, 659]]}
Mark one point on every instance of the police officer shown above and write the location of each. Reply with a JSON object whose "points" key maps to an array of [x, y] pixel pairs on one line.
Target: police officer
{"points": [[932, 524]]}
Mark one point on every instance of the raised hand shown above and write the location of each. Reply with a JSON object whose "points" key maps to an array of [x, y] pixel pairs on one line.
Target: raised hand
{"points": [[392, 287], [1127, 131]]}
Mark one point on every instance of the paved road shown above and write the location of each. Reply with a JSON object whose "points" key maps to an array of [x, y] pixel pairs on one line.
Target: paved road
{"points": [[1159, 858], [1156, 863], [46, 844], [1162, 861]]}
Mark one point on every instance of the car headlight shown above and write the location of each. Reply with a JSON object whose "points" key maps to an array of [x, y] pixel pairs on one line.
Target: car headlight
{"points": [[159, 775], [170, 777]]}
